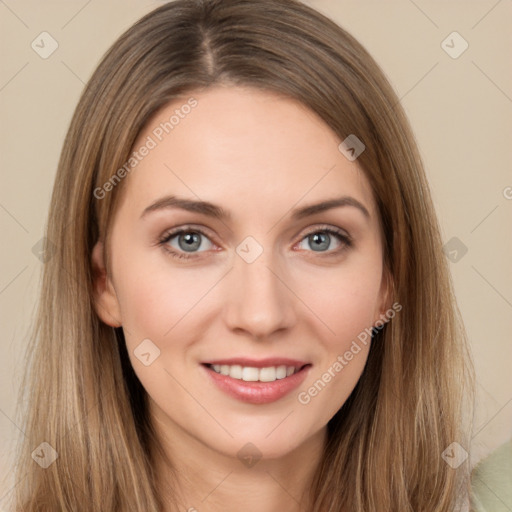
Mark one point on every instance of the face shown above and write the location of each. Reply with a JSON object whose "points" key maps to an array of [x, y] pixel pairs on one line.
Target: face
{"points": [[239, 301]]}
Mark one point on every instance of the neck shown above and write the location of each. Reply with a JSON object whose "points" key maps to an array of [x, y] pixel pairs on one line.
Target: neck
{"points": [[206, 480]]}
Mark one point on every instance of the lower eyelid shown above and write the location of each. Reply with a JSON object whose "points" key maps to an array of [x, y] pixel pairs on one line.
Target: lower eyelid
{"points": [[164, 241], [343, 238]]}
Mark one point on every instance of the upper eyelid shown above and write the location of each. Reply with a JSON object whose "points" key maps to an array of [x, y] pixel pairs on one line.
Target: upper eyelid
{"points": [[170, 234]]}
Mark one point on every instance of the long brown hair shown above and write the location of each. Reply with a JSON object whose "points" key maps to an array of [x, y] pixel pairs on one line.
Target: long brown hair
{"points": [[385, 444]]}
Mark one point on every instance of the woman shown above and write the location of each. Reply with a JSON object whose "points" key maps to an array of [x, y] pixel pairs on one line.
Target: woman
{"points": [[194, 349]]}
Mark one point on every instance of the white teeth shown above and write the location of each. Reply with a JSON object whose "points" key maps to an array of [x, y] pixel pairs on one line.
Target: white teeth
{"points": [[235, 371], [267, 374], [281, 372], [251, 374]]}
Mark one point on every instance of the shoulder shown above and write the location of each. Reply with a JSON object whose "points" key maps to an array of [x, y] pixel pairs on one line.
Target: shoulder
{"points": [[491, 481]]}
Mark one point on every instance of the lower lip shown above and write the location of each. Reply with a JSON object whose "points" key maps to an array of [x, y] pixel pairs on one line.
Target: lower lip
{"points": [[257, 392]]}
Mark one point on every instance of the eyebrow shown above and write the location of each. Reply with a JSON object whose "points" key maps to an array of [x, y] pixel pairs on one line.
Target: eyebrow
{"points": [[217, 212]]}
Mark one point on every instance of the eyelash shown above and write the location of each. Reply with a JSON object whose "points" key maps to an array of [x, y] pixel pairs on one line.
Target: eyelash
{"points": [[340, 235]]}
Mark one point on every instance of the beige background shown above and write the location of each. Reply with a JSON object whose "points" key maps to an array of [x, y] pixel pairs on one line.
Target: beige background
{"points": [[460, 109]]}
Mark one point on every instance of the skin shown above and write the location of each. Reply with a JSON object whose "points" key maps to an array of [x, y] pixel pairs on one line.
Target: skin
{"points": [[258, 156]]}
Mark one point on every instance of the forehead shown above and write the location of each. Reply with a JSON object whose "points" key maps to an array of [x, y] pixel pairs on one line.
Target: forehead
{"points": [[250, 149]]}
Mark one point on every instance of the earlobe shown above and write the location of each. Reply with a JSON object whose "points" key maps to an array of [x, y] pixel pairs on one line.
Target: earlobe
{"points": [[106, 304], [386, 299]]}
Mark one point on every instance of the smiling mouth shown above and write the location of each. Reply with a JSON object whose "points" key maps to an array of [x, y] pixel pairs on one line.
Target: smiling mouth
{"points": [[253, 374], [257, 382]]}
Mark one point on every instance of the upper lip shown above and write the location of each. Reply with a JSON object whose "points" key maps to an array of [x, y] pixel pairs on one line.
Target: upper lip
{"points": [[259, 363]]}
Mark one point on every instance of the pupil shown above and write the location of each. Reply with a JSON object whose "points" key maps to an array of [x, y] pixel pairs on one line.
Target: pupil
{"points": [[191, 239], [317, 237]]}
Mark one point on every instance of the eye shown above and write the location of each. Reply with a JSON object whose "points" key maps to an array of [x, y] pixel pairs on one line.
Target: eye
{"points": [[320, 240], [188, 241]]}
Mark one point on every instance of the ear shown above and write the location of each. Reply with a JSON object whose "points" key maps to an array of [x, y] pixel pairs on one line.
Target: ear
{"points": [[106, 304], [385, 298]]}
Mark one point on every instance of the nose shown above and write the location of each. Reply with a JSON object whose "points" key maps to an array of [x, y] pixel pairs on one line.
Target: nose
{"points": [[259, 297]]}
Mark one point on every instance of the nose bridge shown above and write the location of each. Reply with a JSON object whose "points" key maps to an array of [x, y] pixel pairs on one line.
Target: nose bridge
{"points": [[259, 302]]}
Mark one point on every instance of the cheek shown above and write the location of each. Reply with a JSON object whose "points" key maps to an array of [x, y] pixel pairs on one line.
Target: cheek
{"points": [[344, 299], [158, 299], [156, 306], [153, 292], [346, 304], [161, 307]]}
